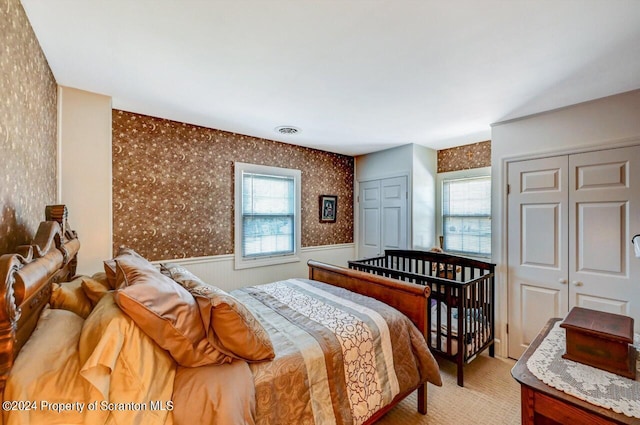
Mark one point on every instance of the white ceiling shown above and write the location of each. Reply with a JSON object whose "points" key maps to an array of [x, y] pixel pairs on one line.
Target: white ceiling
{"points": [[355, 75]]}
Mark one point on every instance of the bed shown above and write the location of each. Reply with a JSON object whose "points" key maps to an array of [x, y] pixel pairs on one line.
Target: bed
{"points": [[461, 304], [75, 350]]}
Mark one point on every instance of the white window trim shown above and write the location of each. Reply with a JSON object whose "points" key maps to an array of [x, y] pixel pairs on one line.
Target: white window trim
{"points": [[454, 175], [245, 263]]}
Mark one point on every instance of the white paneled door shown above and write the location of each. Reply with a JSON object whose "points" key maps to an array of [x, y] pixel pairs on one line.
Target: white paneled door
{"points": [[369, 241], [383, 216], [537, 253], [570, 224]]}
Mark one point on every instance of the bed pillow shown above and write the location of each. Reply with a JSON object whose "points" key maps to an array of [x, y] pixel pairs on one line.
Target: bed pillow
{"points": [[165, 311], [94, 289], [110, 265], [70, 296], [235, 330], [47, 369], [123, 364], [110, 272], [101, 277]]}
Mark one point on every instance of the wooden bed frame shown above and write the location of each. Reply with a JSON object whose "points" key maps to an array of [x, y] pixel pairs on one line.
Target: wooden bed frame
{"points": [[27, 277], [25, 282], [409, 298]]}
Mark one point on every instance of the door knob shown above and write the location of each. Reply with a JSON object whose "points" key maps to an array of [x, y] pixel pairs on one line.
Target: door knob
{"points": [[563, 281], [577, 283]]}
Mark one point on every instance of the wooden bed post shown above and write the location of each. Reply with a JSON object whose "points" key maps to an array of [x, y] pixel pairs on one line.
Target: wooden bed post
{"points": [[9, 313], [422, 399], [60, 214]]}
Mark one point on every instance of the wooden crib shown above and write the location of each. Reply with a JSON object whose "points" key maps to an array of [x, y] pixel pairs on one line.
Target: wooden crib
{"points": [[461, 317]]}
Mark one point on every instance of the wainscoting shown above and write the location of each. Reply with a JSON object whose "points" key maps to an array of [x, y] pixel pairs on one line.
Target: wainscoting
{"points": [[218, 270]]}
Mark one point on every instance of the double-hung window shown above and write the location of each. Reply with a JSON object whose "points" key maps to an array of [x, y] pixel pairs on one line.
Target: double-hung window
{"points": [[466, 215], [267, 215]]}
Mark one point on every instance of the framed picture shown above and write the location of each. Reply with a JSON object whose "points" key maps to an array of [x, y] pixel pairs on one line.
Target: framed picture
{"points": [[328, 208]]}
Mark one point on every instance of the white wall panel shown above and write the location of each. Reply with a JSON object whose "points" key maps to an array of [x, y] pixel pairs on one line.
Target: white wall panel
{"points": [[219, 270], [84, 150]]}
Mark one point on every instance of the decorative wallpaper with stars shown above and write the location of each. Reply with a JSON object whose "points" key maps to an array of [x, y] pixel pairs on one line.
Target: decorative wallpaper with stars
{"points": [[173, 187], [475, 155], [28, 127]]}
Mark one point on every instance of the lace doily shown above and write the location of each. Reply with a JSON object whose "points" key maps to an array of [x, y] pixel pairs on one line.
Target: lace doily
{"points": [[595, 386]]}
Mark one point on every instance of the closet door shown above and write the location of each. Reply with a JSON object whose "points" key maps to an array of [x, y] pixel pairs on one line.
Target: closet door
{"points": [[605, 214], [369, 243], [394, 213], [571, 220], [383, 212], [537, 247]]}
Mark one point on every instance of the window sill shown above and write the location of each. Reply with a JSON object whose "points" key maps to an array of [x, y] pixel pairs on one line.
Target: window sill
{"points": [[242, 263]]}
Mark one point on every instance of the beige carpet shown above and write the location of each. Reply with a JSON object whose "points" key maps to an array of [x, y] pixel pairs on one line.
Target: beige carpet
{"points": [[490, 396]]}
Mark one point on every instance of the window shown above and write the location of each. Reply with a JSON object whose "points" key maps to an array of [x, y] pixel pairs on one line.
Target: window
{"points": [[267, 215], [466, 215]]}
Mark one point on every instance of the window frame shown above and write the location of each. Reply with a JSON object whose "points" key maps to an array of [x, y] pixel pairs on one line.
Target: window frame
{"points": [[459, 175], [242, 262]]}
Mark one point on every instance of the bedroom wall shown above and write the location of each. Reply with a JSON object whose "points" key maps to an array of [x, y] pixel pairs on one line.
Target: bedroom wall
{"points": [[173, 187], [607, 122], [418, 163], [423, 189], [27, 129], [85, 172], [466, 157]]}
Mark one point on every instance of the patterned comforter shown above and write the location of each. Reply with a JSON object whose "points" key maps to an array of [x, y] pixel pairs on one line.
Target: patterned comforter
{"points": [[340, 356]]}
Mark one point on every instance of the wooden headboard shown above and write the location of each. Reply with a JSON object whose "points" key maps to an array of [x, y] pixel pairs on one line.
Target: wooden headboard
{"points": [[25, 282]]}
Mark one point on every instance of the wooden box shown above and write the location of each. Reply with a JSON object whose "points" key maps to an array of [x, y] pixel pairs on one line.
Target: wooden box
{"points": [[601, 340]]}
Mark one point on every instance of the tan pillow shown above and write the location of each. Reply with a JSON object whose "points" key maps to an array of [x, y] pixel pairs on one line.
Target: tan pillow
{"points": [[48, 369], [236, 331], [71, 296], [94, 289], [110, 265], [101, 277], [123, 364], [165, 311], [110, 272]]}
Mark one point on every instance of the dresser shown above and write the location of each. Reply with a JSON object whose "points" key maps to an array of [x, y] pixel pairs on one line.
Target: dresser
{"points": [[545, 405]]}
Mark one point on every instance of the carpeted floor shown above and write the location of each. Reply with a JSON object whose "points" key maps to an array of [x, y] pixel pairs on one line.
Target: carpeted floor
{"points": [[490, 396]]}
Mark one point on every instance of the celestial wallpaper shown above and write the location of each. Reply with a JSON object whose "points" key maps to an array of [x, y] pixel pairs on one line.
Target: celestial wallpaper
{"points": [[476, 155], [28, 129], [173, 186]]}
